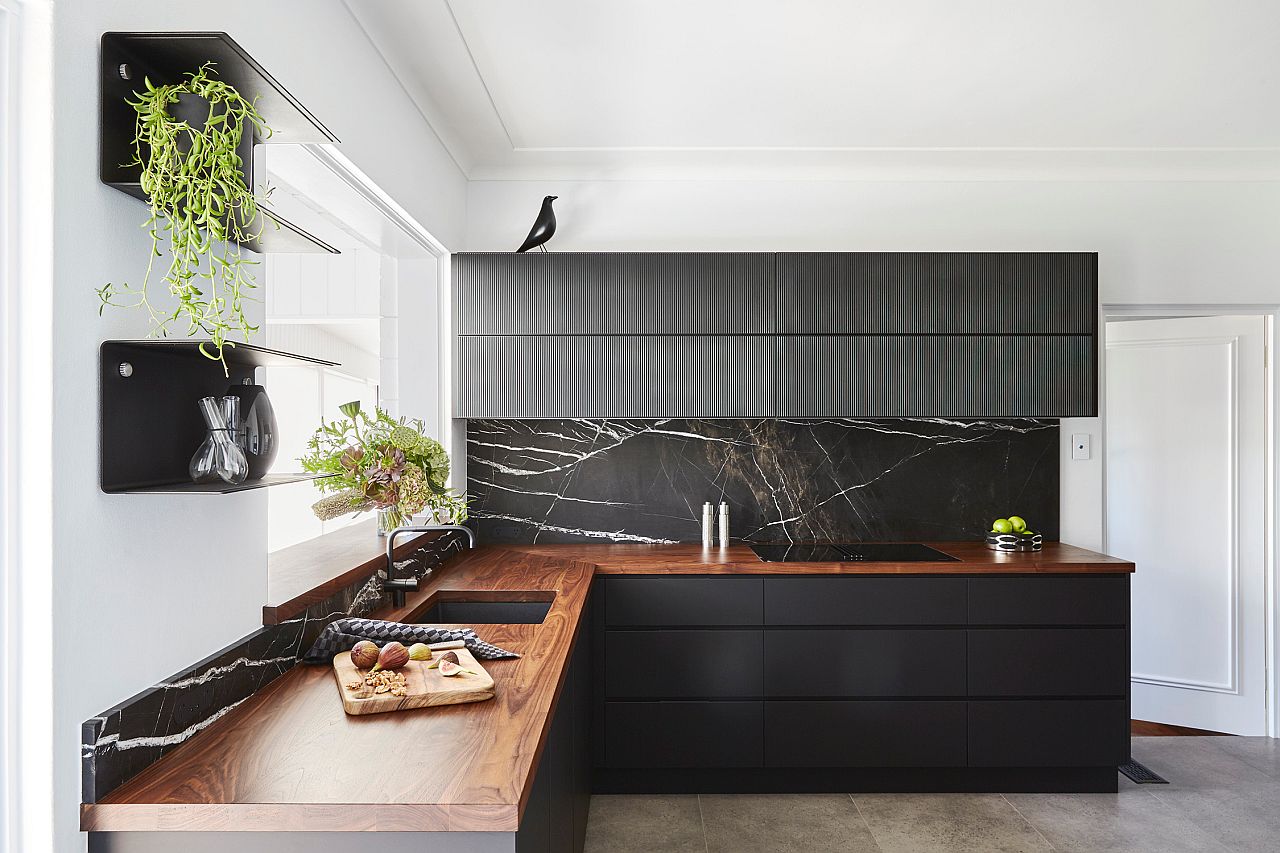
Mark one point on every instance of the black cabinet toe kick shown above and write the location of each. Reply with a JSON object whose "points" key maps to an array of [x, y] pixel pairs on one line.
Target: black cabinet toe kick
{"points": [[858, 780]]}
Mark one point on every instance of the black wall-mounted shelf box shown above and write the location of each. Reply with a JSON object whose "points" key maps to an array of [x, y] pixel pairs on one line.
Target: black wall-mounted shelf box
{"points": [[150, 423], [166, 58]]}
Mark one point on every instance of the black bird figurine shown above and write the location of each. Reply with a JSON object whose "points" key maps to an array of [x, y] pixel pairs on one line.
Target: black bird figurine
{"points": [[544, 227]]}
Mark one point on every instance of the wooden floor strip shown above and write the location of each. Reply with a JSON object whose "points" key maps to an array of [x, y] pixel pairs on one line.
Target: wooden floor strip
{"points": [[1143, 728]]}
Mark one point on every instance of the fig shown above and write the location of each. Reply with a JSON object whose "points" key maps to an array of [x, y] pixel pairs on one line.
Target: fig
{"points": [[449, 668], [364, 654], [419, 651], [451, 657], [393, 656]]}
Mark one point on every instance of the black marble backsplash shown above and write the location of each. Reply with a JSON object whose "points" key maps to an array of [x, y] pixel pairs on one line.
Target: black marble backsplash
{"points": [[837, 479], [120, 742]]}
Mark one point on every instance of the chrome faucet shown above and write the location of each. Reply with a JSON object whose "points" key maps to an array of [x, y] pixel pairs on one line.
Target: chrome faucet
{"points": [[399, 586]]}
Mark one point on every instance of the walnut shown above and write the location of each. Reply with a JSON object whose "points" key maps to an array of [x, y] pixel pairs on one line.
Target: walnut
{"points": [[383, 681]]}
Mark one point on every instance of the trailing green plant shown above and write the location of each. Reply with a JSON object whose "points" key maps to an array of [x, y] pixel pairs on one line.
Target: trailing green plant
{"points": [[201, 210], [380, 462]]}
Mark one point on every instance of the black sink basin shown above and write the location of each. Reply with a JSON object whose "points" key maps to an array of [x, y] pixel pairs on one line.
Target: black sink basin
{"points": [[462, 612]]}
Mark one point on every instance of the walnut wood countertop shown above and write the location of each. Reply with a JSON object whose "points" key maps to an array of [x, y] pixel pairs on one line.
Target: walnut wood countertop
{"points": [[311, 571], [972, 558], [289, 758]]}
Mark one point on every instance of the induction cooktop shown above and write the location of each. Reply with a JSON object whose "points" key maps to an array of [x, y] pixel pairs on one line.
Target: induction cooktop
{"points": [[851, 552]]}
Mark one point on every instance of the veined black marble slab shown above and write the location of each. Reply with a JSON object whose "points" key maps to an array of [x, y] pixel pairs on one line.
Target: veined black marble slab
{"points": [[784, 480], [120, 742]]}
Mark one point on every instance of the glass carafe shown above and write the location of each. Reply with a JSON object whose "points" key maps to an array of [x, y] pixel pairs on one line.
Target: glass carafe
{"points": [[220, 456]]}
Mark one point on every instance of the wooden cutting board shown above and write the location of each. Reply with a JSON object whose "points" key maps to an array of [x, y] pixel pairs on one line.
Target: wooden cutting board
{"points": [[427, 687]]}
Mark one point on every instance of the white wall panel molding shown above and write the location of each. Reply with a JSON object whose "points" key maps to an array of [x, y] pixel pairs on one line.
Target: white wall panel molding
{"points": [[1222, 352]]}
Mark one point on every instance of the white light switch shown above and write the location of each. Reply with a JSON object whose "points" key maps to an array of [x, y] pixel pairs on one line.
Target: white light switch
{"points": [[1081, 445]]}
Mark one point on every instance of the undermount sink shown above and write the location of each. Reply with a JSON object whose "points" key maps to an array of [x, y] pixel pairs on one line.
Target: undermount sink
{"points": [[473, 612]]}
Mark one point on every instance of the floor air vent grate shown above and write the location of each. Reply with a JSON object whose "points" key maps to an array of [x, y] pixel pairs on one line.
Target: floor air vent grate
{"points": [[1142, 774]]}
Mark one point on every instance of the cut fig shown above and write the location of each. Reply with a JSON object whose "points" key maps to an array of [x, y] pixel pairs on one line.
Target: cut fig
{"points": [[450, 657]]}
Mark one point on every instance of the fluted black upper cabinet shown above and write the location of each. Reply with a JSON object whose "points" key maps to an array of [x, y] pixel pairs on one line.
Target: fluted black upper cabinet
{"points": [[662, 334], [937, 293], [615, 293], [959, 376], [614, 376]]}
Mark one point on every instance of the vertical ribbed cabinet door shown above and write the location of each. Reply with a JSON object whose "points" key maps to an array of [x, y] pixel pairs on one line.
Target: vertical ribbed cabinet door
{"points": [[961, 376], [617, 334], [614, 376], [937, 293], [952, 334], [614, 293]]}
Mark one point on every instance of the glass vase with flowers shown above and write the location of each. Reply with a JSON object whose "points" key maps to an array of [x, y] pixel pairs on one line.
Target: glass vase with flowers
{"points": [[378, 462]]}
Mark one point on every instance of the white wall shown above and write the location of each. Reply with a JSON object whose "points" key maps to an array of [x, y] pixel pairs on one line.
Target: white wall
{"points": [[421, 376], [1158, 242], [146, 585]]}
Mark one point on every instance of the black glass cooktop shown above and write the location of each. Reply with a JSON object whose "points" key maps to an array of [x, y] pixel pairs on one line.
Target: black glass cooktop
{"points": [[850, 552]]}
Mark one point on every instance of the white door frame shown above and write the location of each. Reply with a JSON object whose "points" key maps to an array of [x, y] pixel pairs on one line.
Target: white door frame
{"points": [[1271, 313], [27, 751], [10, 611]]}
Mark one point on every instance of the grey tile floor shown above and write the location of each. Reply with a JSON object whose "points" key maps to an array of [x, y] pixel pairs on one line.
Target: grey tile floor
{"points": [[1224, 794]]}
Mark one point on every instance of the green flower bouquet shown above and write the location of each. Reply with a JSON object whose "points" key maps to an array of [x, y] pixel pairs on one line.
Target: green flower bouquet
{"points": [[380, 463]]}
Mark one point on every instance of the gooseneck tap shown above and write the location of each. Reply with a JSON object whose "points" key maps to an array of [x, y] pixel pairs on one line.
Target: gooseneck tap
{"points": [[399, 586]]}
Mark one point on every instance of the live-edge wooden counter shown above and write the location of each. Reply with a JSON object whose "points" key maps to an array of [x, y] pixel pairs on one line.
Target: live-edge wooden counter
{"points": [[289, 759]]}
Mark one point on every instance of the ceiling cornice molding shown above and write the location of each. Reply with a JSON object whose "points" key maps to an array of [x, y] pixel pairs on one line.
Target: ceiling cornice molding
{"points": [[486, 145], [919, 164], [451, 146], [475, 67]]}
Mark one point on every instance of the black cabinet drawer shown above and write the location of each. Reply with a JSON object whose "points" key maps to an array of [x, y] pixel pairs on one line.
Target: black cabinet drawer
{"points": [[1065, 733], [683, 734], [1048, 662], [848, 663], [683, 664], [864, 734], [1101, 600], [680, 601], [864, 601]]}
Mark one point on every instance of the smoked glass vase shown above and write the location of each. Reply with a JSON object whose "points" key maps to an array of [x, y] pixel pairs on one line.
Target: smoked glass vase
{"points": [[219, 457], [256, 430]]}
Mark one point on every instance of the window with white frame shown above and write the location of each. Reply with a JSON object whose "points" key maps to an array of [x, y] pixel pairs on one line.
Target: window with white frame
{"points": [[348, 308], [327, 306]]}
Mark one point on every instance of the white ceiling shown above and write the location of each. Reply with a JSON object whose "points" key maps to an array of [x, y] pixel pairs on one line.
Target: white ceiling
{"points": [[833, 88]]}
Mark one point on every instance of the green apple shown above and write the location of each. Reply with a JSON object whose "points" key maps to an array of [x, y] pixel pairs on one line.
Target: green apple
{"points": [[1018, 524], [1002, 525]]}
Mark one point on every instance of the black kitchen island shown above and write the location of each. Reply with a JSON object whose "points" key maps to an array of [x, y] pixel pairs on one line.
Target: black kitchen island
{"points": [[866, 682]]}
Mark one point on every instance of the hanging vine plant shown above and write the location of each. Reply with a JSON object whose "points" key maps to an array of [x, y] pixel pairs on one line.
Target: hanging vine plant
{"points": [[201, 209]]}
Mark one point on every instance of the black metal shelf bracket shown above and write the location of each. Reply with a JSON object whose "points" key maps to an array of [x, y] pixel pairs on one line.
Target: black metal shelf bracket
{"points": [[127, 57], [150, 424]]}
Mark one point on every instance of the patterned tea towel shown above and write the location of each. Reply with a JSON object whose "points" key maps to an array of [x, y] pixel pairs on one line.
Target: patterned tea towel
{"points": [[341, 635]]}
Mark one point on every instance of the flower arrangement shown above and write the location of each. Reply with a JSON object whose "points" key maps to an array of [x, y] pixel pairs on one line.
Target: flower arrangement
{"points": [[381, 463]]}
